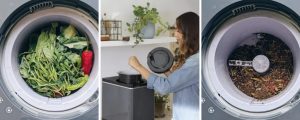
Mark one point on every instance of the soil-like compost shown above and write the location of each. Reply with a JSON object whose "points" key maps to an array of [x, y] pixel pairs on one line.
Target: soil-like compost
{"points": [[263, 85]]}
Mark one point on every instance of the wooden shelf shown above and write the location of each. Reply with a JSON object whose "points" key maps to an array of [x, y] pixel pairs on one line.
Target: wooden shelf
{"points": [[157, 40]]}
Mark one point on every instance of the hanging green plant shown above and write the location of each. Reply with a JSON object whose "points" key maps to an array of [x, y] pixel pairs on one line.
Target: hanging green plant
{"points": [[143, 15]]}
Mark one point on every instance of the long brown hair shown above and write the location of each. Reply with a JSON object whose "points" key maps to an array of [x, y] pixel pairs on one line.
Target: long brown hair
{"points": [[188, 25]]}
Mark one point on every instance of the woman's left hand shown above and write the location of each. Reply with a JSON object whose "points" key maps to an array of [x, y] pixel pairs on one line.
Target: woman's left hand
{"points": [[167, 73]]}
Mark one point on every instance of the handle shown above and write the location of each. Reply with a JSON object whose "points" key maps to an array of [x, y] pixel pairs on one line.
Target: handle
{"points": [[260, 63], [240, 63]]}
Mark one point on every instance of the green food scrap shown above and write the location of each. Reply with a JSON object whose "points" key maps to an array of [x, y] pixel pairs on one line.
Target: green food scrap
{"points": [[49, 66], [69, 32]]}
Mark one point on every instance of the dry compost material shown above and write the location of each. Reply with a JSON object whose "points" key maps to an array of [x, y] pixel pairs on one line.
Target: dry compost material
{"points": [[257, 85]]}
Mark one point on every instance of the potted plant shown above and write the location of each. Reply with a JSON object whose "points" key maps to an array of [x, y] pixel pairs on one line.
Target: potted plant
{"points": [[160, 104], [144, 25]]}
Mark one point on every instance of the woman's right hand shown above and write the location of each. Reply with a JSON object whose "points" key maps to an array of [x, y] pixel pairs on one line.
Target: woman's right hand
{"points": [[134, 62]]}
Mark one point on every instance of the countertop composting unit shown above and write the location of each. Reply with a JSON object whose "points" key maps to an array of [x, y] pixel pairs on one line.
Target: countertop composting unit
{"points": [[123, 101]]}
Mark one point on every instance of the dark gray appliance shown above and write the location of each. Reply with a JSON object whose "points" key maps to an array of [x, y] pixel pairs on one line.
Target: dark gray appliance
{"points": [[126, 101]]}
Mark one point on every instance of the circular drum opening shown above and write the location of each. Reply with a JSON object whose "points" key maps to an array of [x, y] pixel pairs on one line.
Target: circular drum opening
{"points": [[65, 107], [228, 37]]}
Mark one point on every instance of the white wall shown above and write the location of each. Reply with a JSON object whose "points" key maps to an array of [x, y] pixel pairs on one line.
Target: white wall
{"points": [[115, 59]]}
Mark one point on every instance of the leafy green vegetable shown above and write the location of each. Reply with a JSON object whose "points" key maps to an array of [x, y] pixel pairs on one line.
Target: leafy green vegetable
{"points": [[69, 39], [82, 80], [77, 45], [49, 66], [73, 42], [75, 59], [69, 32]]}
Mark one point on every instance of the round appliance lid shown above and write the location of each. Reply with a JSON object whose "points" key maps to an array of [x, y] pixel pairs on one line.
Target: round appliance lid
{"points": [[160, 60], [128, 77]]}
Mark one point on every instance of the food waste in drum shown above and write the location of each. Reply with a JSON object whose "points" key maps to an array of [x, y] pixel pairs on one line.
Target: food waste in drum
{"points": [[275, 79], [54, 62]]}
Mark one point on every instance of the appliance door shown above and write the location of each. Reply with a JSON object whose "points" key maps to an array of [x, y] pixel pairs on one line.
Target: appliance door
{"points": [[223, 33], [27, 18]]}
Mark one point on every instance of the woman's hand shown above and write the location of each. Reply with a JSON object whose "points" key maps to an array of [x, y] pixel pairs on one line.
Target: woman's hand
{"points": [[134, 63], [167, 73], [170, 71]]}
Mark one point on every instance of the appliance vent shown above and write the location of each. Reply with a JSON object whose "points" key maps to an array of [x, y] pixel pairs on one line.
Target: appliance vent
{"points": [[35, 7], [242, 9]]}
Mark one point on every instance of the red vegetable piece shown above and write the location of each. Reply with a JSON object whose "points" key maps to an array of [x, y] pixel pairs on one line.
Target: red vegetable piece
{"points": [[87, 61]]}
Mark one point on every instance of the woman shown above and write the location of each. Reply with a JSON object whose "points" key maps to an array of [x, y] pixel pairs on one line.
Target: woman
{"points": [[183, 78]]}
